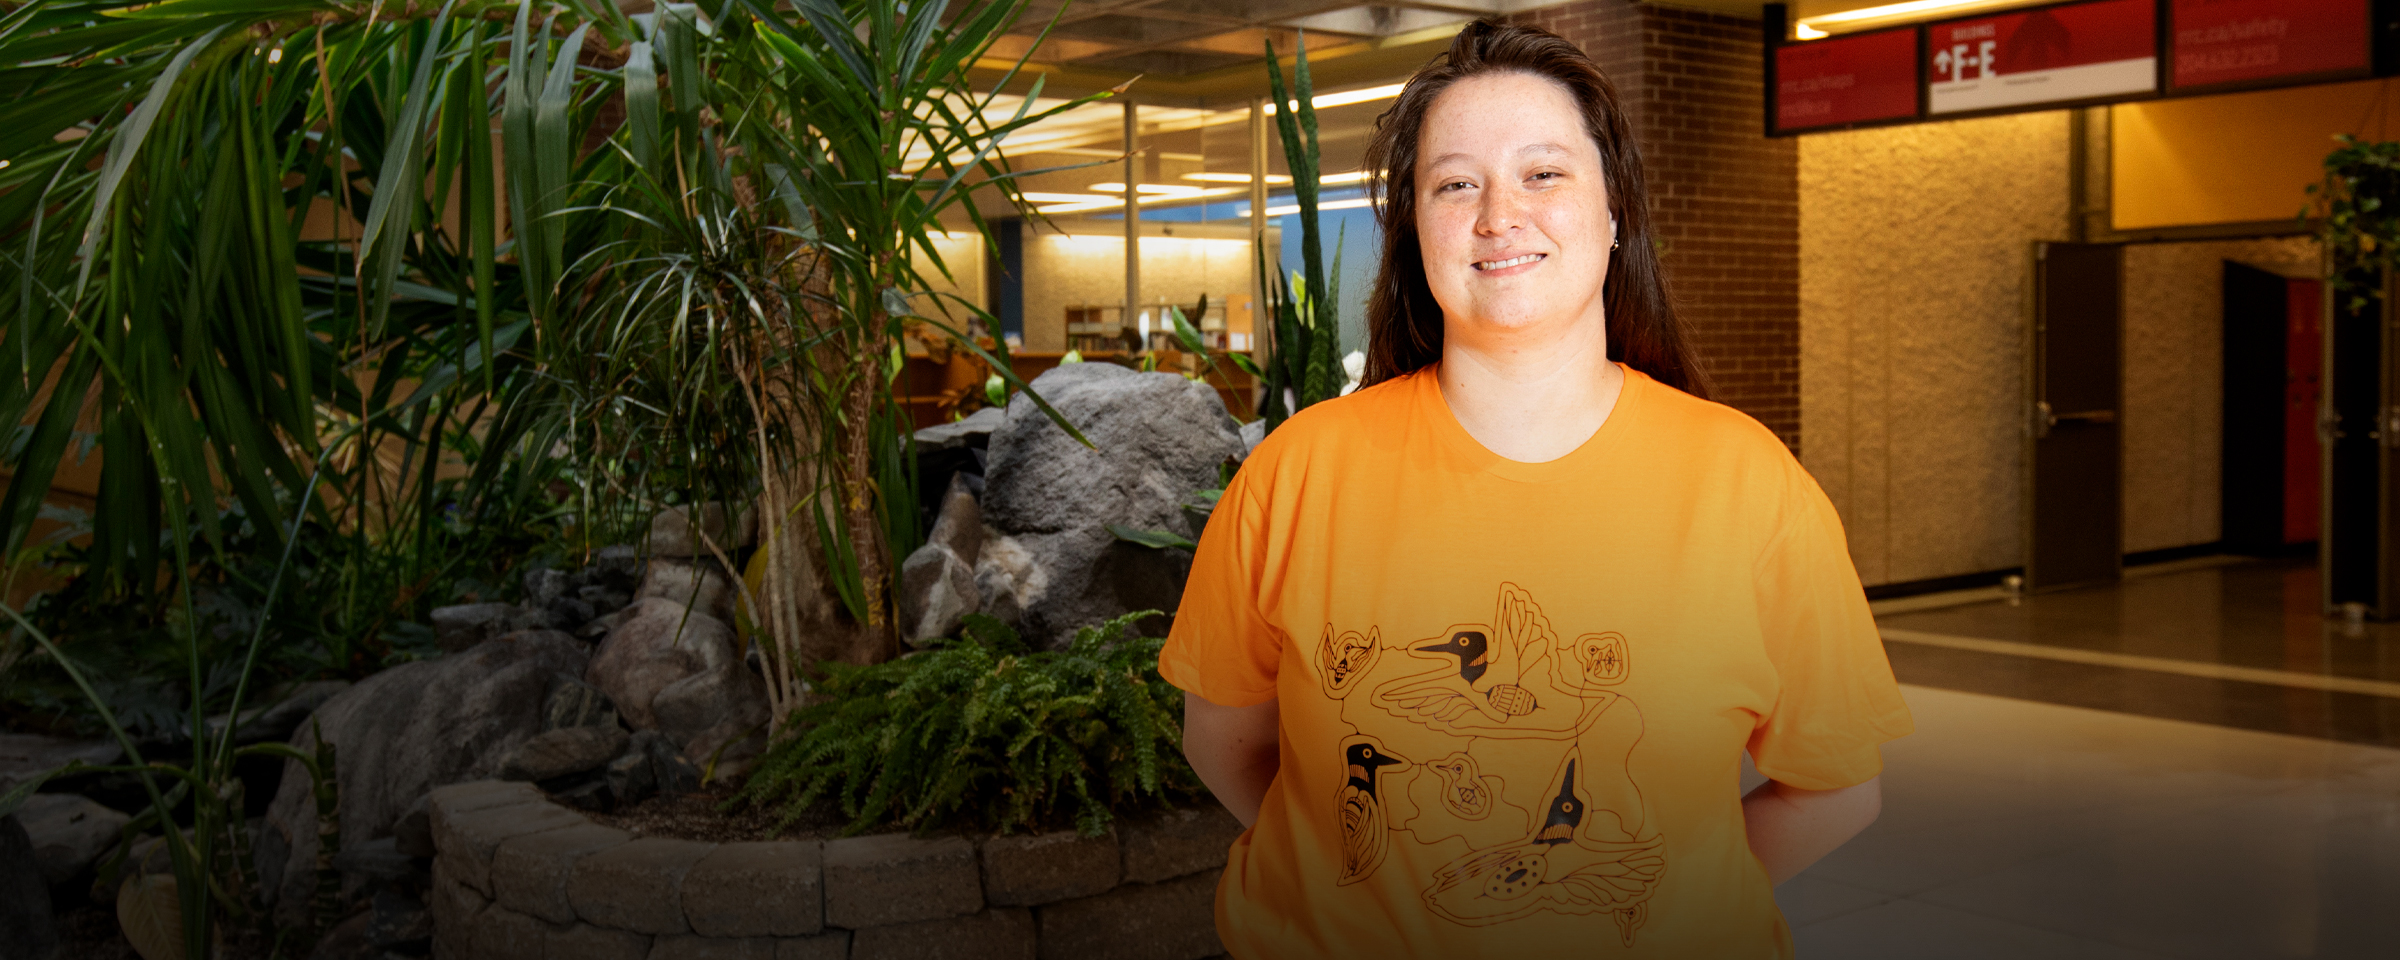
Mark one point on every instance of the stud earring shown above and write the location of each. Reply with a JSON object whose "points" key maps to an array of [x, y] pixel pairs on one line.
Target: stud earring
{"points": [[1613, 244]]}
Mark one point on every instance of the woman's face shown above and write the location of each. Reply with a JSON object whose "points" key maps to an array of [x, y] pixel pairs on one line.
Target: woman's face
{"points": [[1512, 207]]}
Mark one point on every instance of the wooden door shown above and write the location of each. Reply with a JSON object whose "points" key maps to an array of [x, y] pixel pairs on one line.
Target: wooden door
{"points": [[2074, 459]]}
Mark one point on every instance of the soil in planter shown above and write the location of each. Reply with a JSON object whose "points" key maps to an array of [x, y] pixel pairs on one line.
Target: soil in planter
{"points": [[700, 816]]}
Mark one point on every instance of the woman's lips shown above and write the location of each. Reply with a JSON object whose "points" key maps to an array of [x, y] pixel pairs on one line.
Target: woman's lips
{"points": [[1499, 266]]}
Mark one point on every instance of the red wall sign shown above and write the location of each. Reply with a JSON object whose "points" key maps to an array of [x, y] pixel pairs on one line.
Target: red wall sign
{"points": [[2238, 41], [1852, 79], [2046, 55]]}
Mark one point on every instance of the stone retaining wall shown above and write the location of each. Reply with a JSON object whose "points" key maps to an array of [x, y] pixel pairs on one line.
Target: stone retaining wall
{"points": [[519, 877]]}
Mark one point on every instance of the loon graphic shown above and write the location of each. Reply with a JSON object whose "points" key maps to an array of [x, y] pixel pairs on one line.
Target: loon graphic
{"points": [[1360, 810]]}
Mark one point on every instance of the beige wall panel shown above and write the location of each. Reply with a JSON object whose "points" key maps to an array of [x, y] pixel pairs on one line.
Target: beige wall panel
{"points": [[1063, 271], [1914, 248], [963, 252], [2174, 382]]}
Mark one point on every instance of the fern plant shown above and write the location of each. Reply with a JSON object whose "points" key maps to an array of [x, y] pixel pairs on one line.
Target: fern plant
{"points": [[984, 733]]}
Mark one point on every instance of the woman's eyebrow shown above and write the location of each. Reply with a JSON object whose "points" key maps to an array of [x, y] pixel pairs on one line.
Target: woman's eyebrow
{"points": [[1530, 148]]}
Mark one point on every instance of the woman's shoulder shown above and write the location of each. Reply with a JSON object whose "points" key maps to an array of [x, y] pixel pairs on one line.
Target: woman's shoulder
{"points": [[1708, 426], [1351, 418]]}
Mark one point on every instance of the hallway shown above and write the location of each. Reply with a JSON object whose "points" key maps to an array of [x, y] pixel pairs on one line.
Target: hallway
{"points": [[2213, 775]]}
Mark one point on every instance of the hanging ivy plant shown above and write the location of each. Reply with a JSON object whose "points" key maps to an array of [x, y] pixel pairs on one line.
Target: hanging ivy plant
{"points": [[2359, 210]]}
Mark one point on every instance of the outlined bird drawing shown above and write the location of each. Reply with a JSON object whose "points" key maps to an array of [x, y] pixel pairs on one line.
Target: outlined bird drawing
{"points": [[1360, 808]]}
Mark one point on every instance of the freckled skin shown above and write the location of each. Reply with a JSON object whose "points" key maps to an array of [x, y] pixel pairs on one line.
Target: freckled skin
{"points": [[1506, 168]]}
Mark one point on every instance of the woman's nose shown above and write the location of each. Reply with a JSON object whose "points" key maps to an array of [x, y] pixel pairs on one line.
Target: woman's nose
{"points": [[1503, 210]]}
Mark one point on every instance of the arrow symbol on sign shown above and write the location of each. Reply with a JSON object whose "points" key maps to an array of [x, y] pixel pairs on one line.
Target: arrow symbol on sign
{"points": [[1941, 62]]}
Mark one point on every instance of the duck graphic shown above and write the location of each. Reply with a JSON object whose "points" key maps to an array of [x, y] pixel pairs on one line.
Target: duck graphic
{"points": [[1565, 813], [1359, 809], [1494, 680], [1473, 648], [1560, 868]]}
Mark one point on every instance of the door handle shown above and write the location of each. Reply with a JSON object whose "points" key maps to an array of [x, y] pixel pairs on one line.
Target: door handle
{"points": [[2044, 419]]}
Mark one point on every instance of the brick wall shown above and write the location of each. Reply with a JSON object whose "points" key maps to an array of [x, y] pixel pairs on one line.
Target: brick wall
{"points": [[1726, 200]]}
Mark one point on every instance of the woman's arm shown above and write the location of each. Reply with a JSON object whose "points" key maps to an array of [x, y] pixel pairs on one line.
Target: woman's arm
{"points": [[1234, 749], [1791, 828]]}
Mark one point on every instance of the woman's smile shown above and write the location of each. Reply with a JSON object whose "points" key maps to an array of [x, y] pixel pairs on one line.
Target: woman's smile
{"points": [[1508, 267]]}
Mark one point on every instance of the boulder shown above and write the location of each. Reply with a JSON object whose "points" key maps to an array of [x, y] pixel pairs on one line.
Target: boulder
{"points": [[27, 931], [69, 833], [680, 672], [1048, 500], [458, 627], [543, 584], [697, 584], [402, 732], [577, 704], [281, 715], [25, 755], [651, 765], [1253, 433], [959, 525], [937, 591], [671, 533], [974, 430], [566, 750]]}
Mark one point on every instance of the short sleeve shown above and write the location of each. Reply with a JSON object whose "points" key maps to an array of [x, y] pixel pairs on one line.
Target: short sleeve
{"points": [[1837, 700], [1221, 647]]}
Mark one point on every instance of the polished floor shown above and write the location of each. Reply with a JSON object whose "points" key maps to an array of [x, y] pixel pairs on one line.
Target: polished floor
{"points": [[2189, 764], [2221, 641]]}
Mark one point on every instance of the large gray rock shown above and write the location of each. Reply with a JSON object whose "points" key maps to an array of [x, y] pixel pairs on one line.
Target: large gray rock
{"points": [[975, 427], [672, 534], [26, 929], [280, 716], [697, 584], [69, 833], [401, 733], [458, 627], [26, 755], [937, 591], [566, 750], [681, 673], [1051, 563]]}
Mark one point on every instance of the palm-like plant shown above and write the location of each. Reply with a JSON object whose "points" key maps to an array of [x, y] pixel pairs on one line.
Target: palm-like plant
{"points": [[266, 253]]}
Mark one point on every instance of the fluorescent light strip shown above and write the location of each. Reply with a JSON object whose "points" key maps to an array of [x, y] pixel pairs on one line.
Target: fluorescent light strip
{"points": [[1350, 204], [1115, 189], [1233, 177], [1114, 203], [1889, 10], [1347, 97]]}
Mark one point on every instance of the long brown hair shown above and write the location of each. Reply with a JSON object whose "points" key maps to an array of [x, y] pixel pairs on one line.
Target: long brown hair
{"points": [[1404, 324]]}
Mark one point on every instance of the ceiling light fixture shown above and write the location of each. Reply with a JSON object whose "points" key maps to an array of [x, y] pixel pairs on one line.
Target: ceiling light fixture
{"points": [[1350, 204], [1118, 189], [1909, 8], [1806, 32], [1347, 97], [1272, 178]]}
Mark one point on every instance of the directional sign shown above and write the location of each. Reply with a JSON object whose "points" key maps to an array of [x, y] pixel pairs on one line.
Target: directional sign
{"points": [[2248, 41], [1859, 78], [2083, 51]]}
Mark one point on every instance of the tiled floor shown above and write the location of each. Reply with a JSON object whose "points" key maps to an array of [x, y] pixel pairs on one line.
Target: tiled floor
{"points": [[2258, 616], [2024, 829]]}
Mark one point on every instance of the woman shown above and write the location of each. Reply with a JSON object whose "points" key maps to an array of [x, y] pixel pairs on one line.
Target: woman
{"points": [[1474, 652]]}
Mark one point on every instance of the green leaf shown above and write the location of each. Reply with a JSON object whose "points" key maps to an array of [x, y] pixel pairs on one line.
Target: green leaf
{"points": [[1154, 539]]}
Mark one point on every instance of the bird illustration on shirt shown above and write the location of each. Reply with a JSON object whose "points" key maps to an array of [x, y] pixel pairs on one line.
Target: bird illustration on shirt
{"points": [[1565, 813], [1494, 677], [1360, 809]]}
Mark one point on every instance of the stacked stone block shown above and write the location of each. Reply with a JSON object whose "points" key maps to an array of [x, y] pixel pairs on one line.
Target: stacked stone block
{"points": [[517, 876]]}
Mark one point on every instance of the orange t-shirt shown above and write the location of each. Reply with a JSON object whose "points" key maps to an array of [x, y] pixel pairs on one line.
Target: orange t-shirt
{"points": [[1514, 695]]}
